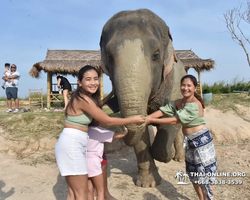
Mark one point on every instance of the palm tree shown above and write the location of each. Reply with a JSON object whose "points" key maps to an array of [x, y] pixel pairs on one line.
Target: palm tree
{"points": [[178, 175], [185, 176]]}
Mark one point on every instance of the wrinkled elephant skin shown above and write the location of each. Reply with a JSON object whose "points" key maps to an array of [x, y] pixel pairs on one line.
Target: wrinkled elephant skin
{"points": [[137, 54]]}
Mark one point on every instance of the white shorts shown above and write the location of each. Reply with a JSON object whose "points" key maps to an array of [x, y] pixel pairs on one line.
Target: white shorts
{"points": [[70, 151]]}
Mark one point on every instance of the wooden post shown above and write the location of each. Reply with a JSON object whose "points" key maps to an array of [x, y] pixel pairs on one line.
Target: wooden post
{"points": [[101, 84], [49, 86], [199, 76], [41, 97]]}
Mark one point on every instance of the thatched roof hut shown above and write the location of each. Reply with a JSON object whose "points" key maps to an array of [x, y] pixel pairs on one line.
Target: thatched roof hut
{"points": [[71, 61], [66, 62], [191, 60]]}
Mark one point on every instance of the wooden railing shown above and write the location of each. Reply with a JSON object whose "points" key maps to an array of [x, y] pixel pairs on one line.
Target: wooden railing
{"points": [[55, 96], [36, 97]]}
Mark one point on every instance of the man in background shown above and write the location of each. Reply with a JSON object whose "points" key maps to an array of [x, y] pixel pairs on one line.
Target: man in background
{"points": [[11, 88]]}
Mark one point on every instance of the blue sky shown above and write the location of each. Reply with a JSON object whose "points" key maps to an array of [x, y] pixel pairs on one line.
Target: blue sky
{"points": [[30, 27]]}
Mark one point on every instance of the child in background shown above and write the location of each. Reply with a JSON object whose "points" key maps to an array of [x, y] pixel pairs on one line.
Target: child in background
{"points": [[7, 73], [97, 137]]}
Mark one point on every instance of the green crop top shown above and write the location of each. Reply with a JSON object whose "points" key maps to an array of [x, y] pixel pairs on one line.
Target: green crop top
{"points": [[79, 120], [189, 115]]}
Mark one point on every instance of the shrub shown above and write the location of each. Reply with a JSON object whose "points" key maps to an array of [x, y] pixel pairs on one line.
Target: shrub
{"points": [[206, 90], [223, 87]]}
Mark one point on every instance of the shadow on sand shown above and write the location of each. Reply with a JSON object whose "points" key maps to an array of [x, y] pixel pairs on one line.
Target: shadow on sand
{"points": [[128, 166], [5, 195], [171, 192], [60, 189]]}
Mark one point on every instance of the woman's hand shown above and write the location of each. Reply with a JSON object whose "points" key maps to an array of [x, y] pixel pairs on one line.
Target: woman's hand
{"points": [[148, 120], [138, 120], [121, 134]]}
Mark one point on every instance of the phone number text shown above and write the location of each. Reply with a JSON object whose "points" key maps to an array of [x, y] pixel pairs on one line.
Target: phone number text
{"points": [[219, 182]]}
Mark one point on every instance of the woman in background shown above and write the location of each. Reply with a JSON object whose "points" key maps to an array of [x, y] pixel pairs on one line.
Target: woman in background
{"points": [[63, 83]]}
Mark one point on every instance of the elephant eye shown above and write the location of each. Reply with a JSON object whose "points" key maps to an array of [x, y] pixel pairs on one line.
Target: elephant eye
{"points": [[156, 55]]}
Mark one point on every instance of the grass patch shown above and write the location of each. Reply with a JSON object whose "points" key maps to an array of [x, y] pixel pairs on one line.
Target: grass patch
{"points": [[38, 125], [33, 125], [227, 102], [25, 131]]}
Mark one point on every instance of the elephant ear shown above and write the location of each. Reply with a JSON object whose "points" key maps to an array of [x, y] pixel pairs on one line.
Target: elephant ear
{"points": [[103, 66], [170, 59], [103, 57]]}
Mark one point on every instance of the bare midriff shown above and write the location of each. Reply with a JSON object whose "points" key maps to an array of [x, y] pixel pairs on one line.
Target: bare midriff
{"points": [[81, 128], [191, 130]]}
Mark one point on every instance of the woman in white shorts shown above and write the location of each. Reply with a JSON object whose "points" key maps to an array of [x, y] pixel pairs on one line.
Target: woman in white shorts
{"points": [[71, 146]]}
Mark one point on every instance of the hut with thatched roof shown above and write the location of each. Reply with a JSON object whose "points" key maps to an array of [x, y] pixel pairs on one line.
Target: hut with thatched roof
{"points": [[71, 61], [66, 62]]}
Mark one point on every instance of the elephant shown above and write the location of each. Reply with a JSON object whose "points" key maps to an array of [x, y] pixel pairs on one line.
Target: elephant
{"points": [[138, 56]]}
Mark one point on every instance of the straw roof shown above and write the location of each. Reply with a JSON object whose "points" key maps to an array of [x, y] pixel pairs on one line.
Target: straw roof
{"points": [[191, 60], [66, 62], [71, 61]]}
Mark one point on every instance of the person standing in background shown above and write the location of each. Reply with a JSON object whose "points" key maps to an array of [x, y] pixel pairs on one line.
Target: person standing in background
{"points": [[63, 83], [11, 88]]}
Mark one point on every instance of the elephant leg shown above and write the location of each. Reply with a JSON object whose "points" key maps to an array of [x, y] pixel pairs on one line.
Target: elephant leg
{"points": [[148, 175], [178, 145], [162, 147]]}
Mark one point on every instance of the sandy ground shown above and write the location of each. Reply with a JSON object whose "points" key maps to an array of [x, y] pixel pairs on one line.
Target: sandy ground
{"points": [[20, 181]]}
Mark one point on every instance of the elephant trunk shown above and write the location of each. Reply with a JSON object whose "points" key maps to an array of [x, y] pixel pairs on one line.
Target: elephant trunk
{"points": [[132, 80]]}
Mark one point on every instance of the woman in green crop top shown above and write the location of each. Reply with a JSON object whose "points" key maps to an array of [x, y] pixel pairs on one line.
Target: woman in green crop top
{"points": [[70, 149], [200, 155]]}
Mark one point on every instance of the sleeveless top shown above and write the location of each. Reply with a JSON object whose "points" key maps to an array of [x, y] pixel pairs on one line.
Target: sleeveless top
{"points": [[79, 120], [188, 116], [65, 84]]}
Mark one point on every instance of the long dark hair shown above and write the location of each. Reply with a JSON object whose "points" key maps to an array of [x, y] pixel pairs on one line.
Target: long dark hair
{"points": [[79, 91], [194, 80]]}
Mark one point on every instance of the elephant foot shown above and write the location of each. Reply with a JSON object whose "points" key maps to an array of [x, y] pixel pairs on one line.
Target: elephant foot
{"points": [[178, 159], [145, 180]]}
